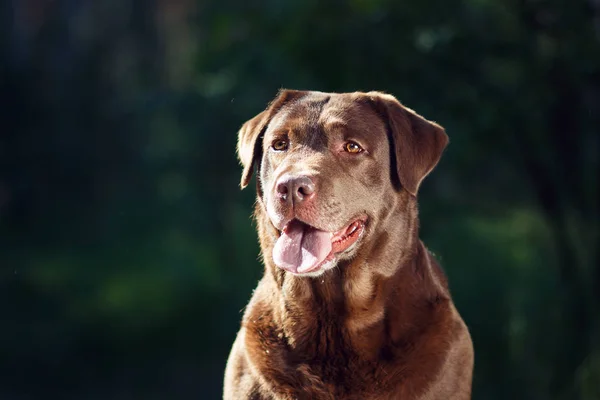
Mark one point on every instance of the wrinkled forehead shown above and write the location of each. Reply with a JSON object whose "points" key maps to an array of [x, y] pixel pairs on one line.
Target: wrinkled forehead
{"points": [[325, 113]]}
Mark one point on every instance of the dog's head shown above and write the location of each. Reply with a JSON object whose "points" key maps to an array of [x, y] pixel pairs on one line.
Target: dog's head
{"points": [[327, 165]]}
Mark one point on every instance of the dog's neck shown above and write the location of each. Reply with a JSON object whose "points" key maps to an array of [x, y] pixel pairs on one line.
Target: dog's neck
{"points": [[360, 299]]}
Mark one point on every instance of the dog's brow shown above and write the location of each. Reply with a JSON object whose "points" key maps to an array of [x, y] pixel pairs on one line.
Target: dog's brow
{"points": [[335, 123], [285, 123]]}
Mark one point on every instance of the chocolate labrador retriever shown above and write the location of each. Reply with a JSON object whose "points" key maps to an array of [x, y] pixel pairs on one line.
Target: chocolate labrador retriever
{"points": [[351, 305]]}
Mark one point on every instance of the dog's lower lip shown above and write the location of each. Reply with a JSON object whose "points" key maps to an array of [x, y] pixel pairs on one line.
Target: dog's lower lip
{"points": [[350, 235], [352, 228]]}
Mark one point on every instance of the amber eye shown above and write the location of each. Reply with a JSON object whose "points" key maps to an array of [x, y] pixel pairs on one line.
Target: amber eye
{"points": [[280, 145], [353, 148]]}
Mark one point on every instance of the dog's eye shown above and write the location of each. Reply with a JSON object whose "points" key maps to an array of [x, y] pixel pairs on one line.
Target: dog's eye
{"points": [[280, 145], [353, 148]]}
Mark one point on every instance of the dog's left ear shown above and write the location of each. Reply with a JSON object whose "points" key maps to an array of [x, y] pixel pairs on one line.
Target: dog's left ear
{"points": [[417, 144], [249, 145]]}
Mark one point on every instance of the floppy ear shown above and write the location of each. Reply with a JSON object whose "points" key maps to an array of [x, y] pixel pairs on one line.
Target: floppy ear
{"points": [[417, 144], [249, 145]]}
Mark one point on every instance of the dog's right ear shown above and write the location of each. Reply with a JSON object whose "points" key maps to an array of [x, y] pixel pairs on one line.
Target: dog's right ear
{"points": [[249, 145]]}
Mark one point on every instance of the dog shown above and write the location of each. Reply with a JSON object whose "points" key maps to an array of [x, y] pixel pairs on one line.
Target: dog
{"points": [[351, 305]]}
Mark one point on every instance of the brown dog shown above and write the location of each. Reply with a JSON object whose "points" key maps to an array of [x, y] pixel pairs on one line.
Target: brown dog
{"points": [[351, 305]]}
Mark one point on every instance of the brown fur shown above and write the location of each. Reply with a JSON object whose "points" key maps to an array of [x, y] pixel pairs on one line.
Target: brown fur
{"points": [[380, 324]]}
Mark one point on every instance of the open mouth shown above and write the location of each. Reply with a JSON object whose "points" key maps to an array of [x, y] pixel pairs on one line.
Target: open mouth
{"points": [[302, 248]]}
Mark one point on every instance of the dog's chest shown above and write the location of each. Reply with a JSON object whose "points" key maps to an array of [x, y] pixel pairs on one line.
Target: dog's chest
{"points": [[317, 363]]}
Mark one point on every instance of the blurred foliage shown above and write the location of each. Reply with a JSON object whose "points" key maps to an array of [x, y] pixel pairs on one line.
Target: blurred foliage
{"points": [[127, 251]]}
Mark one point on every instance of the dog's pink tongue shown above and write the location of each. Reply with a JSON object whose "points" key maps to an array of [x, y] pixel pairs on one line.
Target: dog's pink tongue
{"points": [[301, 248]]}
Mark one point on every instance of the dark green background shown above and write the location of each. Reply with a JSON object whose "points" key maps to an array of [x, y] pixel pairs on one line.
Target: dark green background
{"points": [[127, 251]]}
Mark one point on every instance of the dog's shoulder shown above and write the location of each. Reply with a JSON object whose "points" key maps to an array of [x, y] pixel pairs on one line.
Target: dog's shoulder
{"points": [[240, 382]]}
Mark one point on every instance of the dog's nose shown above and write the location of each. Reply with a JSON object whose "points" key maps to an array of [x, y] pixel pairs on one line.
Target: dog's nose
{"points": [[295, 188]]}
